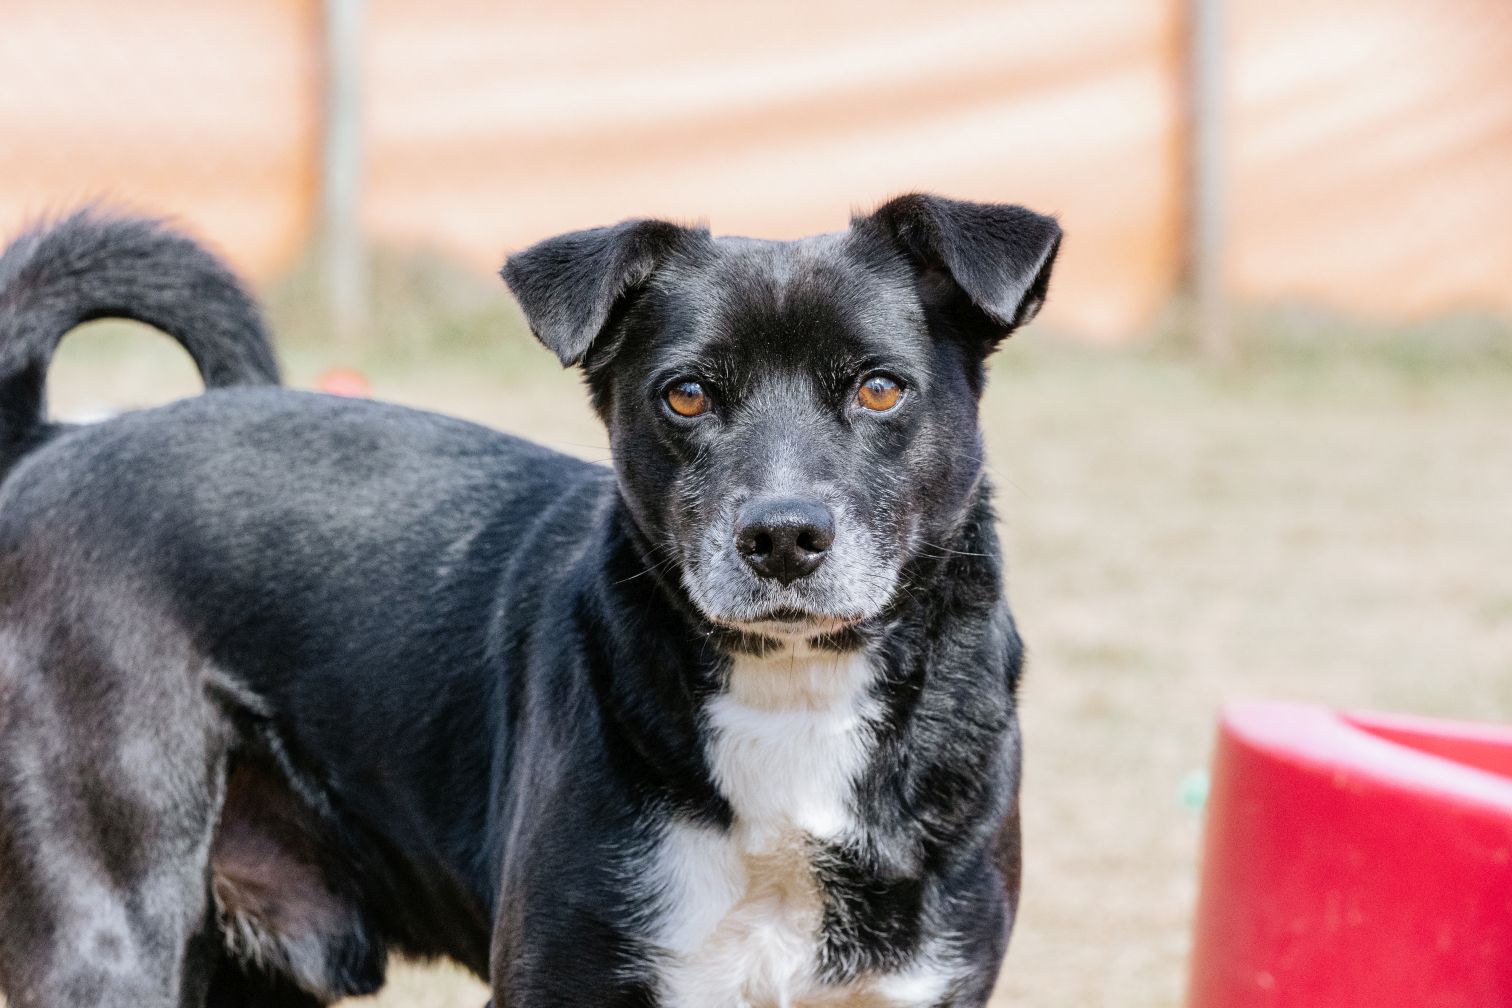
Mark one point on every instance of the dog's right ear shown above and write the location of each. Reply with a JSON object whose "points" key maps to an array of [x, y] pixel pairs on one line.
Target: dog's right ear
{"points": [[570, 285]]}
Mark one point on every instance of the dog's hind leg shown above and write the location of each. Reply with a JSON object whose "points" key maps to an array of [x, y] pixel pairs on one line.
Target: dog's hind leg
{"points": [[111, 776], [289, 915]]}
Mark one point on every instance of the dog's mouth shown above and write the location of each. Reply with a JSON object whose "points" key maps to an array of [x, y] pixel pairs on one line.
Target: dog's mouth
{"points": [[787, 622]]}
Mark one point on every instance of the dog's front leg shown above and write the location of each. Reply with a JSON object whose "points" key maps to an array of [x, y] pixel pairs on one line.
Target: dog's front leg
{"points": [[570, 943]]}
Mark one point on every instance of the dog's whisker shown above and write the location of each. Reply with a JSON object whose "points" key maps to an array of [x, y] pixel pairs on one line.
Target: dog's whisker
{"points": [[952, 552], [649, 570]]}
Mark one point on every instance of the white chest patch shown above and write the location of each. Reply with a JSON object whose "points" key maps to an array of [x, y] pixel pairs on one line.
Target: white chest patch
{"points": [[739, 911]]}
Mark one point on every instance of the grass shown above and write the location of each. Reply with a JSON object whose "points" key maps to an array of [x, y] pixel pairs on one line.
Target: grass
{"points": [[1327, 521]]}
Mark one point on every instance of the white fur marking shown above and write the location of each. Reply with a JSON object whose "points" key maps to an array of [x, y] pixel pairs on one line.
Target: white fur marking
{"points": [[740, 910], [925, 982], [787, 741]]}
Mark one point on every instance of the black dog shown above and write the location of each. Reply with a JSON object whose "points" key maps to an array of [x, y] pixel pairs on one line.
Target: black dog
{"points": [[289, 681]]}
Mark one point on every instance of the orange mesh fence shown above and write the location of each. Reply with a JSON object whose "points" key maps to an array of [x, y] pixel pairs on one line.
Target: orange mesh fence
{"points": [[777, 119], [1370, 154], [208, 112]]}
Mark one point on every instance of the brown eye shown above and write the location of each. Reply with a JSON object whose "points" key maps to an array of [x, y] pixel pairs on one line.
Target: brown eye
{"points": [[879, 393], [688, 399]]}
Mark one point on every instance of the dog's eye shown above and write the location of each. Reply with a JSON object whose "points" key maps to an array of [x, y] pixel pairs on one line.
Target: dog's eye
{"points": [[879, 393], [688, 399]]}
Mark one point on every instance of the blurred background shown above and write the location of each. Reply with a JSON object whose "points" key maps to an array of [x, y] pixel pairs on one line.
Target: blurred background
{"points": [[1258, 444]]}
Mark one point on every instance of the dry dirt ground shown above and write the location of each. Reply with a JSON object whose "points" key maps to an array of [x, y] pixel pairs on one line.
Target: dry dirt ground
{"points": [[1331, 526]]}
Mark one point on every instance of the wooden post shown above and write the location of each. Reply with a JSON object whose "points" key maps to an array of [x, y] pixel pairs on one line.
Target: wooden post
{"points": [[343, 263], [1207, 183]]}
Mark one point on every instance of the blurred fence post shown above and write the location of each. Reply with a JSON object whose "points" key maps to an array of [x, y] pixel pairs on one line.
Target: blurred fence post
{"points": [[343, 265], [1206, 239]]}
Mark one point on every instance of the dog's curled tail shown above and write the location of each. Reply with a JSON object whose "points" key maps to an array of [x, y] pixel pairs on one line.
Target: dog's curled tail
{"points": [[93, 264]]}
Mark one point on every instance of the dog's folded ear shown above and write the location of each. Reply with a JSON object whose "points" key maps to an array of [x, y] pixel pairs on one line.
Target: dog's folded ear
{"points": [[569, 286], [997, 256]]}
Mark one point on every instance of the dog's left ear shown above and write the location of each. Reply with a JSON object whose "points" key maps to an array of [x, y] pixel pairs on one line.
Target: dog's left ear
{"points": [[570, 285], [998, 257]]}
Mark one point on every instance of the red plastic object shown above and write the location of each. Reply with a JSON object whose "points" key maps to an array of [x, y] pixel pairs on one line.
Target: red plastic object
{"points": [[345, 382], [1355, 861]]}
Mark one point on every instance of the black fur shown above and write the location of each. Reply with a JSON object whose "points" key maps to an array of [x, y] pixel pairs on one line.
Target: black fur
{"points": [[326, 678], [93, 265]]}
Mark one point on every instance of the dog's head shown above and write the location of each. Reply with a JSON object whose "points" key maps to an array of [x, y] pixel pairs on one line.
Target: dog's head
{"points": [[792, 422]]}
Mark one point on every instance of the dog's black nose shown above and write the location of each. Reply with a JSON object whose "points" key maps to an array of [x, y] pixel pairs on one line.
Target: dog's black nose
{"points": [[784, 537]]}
